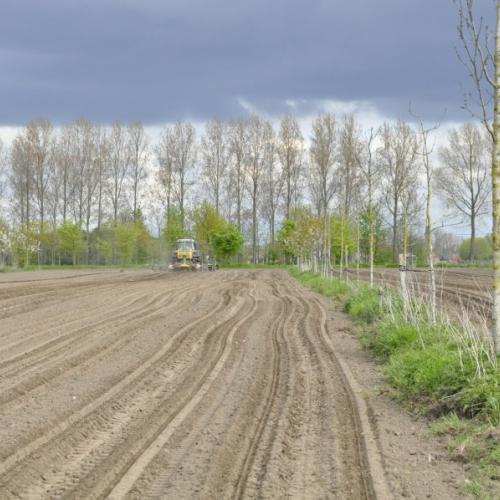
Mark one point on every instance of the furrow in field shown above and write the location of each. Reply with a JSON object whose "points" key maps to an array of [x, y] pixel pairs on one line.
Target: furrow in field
{"points": [[65, 425], [194, 396], [114, 434]]}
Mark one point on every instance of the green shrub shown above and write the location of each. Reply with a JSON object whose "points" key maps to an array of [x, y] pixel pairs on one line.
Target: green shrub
{"points": [[483, 396], [364, 305], [434, 372], [389, 338]]}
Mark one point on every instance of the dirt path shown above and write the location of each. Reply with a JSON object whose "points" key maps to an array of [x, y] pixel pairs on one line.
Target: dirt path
{"points": [[209, 385]]}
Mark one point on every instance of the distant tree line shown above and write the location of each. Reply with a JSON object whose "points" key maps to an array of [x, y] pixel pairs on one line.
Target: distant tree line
{"points": [[91, 194]]}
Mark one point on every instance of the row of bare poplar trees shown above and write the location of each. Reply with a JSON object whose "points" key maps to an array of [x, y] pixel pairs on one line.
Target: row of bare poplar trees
{"points": [[254, 174]]}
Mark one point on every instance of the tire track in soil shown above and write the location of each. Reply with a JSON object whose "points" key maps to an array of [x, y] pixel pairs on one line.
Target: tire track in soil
{"points": [[160, 478], [71, 350], [108, 445], [62, 426], [369, 458], [355, 439], [66, 315], [62, 340], [140, 294], [57, 348], [50, 323], [283, 456], [282, 460], [77, 294], [62, 302], [43, 369], [56, 294], [347, 470], [248, 462], [126, 482]]}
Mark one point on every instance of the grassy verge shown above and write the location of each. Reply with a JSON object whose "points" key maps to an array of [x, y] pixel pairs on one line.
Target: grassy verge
{"points": [[444, 370]]}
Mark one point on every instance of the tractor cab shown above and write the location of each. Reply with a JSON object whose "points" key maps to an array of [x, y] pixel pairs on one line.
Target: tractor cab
{"points": [[186, 255]]}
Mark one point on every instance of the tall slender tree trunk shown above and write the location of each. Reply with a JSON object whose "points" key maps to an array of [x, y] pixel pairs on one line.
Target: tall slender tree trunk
{"points": [[395, 232], [288, 196], [372, 243], [65, 196], [358, 238], [99, 205], [472, 237], [403, 268], [496, 193], [182, 201], [341, 248], [430, 253], [28, 228], [254, 225]]}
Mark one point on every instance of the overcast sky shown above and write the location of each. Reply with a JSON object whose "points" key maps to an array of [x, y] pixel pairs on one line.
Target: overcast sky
{"points": [[163, 60]]}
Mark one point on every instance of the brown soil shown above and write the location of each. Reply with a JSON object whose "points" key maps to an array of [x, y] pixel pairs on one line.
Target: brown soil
{"points": [[234, 384]]}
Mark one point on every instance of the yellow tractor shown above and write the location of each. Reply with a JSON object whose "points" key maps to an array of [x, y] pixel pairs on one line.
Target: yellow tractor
{"points": [[186, 256]]}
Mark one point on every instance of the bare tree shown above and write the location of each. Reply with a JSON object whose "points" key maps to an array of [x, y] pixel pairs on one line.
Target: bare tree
{"points": [[22, 186], [463, 179], [477, 55], [39, 140], [259, 138], [103, 159], [323, 181], [398, 161], [2, 167], [64, 164], [215, 156], [165, 175], [323, 153], [184, 157], [82, 152], [350, 150], [118, 167], [139, 153], [238, 140], [426, 150], [370, 171], [481, 57], [3, 174], [272, 186], [290, 148]]}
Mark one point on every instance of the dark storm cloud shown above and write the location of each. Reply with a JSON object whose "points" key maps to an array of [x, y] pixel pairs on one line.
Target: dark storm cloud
{"points": [[158, 61]]}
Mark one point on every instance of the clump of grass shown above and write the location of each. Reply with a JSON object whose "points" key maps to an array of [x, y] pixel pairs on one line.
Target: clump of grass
{"points": [[330, 288], [483, 394], [436, 373], [389, 338], [364, 304]]}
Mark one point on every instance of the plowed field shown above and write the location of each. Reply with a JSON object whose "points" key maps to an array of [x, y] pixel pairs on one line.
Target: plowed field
{"points": [[165, 385]]}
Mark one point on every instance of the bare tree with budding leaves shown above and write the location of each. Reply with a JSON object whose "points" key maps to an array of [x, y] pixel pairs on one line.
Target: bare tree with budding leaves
{"points": [[480, 54]]}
